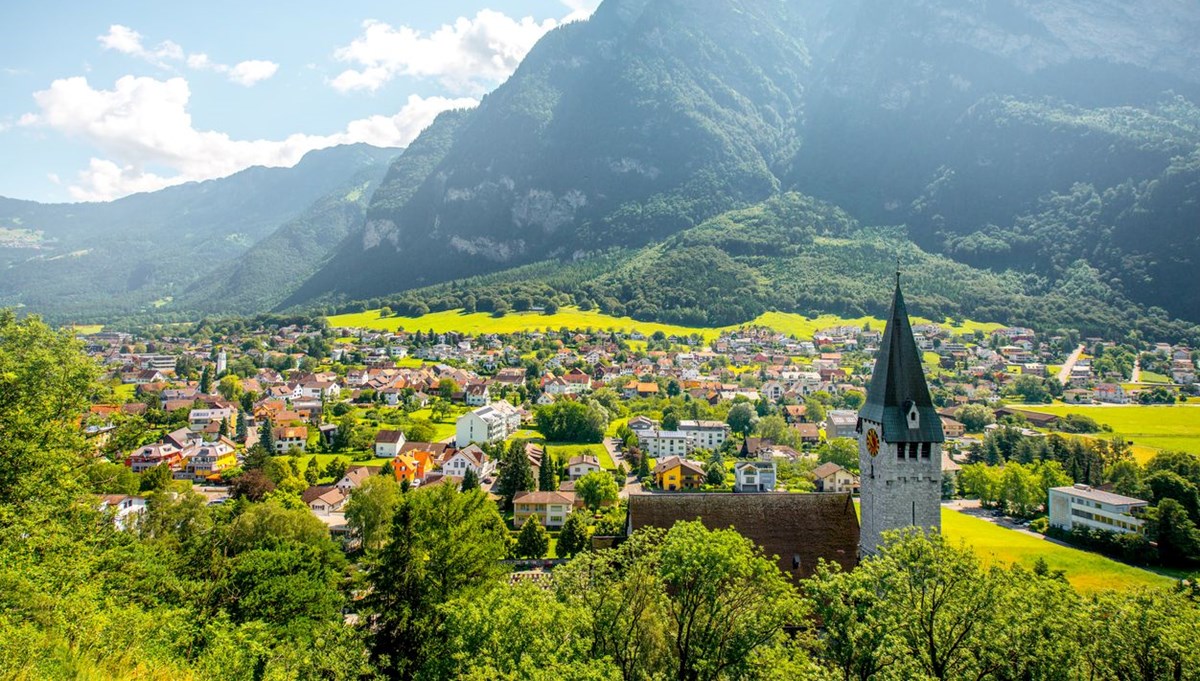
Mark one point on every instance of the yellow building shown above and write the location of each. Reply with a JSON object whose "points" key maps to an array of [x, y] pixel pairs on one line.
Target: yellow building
{"points": [[678, 474]]}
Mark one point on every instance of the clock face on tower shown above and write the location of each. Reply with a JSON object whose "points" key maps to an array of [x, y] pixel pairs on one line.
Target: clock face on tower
{"points": [[872, 441]]}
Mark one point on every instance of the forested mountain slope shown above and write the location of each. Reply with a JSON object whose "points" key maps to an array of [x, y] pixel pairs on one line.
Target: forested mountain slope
{"points": [[96, 260], [1034, 137]]}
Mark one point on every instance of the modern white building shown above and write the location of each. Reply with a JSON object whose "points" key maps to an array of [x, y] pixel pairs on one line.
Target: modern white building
{"points": [[705, 434], [1084, 506], [664, 443], [491, 423], [754, 476]]}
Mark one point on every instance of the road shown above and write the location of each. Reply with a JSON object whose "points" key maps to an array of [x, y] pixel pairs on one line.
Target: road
{"points": [[1137, 371], [1064, 374]]}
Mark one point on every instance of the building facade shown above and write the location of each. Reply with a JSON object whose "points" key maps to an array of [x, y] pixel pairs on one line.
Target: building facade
{"points": [[899, 439], [1084, 506]]}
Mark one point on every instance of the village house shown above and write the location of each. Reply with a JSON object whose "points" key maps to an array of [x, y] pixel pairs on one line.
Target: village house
{"points": [[491, 423], [580, 465], [324, 499], [470, 458], [388, 443], [676, 473], [551, 508], [830, 477], [355, 475], [754, 476], [288, 438], [126, 509]]}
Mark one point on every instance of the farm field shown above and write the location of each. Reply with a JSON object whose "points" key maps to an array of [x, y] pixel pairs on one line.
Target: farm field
{"points": [[1087, 572], [1150, 427], [574, 318]]}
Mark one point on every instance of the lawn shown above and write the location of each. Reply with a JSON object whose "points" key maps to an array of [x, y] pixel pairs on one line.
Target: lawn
{"points": [[1087, 572], [574, 318], [124, 392], [1150, 427], [566, 451]]}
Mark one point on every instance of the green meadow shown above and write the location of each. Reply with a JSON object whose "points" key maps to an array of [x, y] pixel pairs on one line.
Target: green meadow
{"points": [[1149, 427]]}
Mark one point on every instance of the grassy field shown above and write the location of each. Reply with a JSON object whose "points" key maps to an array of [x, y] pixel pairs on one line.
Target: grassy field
{"points": [[86, 329], [574, 318], [124, 392], [1149, 427], [1087, 572], [566, 451]]}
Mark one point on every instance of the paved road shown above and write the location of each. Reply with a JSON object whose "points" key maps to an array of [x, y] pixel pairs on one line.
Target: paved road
{"points": [[1064, 374], [1137, 371]]}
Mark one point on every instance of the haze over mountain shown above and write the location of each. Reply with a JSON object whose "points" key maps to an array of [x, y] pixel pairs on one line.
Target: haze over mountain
{"points": [[1056, 144]]}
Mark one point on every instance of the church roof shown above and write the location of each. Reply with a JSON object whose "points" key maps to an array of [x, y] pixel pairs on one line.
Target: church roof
{"points": [[798, 529], [898, 382]]}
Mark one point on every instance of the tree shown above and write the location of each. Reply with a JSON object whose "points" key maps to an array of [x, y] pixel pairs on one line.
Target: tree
{"points": [[252, 485], [547, 477], [974, 417], [1031, 388], [230, 387], [312, 472], [532, 541], [570, 421], [777, 430], [516, 475], [266, 435], [1176, 534], [843, 451], [814, 409], [574, 536], [344, 437], [444, 545], [242, 429], [714, 473], [597, 488], [670, 420], [420, 430], [45, 383], [470, 480], [370, 508], [156, 479], [741, 419], [447, 388], [336, 468], [206, 380], [727, 601]]}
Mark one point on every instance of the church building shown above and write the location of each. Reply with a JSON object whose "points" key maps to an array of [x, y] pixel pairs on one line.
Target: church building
{"points": [[899, 439]]}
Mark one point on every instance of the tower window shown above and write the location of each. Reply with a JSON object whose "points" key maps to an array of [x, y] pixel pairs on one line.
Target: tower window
{"points": [[900, 450], [795, 561], [925, 449]]}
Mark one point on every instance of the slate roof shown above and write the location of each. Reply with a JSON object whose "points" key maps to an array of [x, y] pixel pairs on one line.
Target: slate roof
{"points": [[899, 381], [803, 526]]}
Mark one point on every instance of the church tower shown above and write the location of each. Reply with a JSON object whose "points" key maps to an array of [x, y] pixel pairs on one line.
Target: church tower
{"points": [[899, 439]]}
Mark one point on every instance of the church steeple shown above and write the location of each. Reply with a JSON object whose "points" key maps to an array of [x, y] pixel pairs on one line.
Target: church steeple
{"points": [[898, 390], [900, 439]]}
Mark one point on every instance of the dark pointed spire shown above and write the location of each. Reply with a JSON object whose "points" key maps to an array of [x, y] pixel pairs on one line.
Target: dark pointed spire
{"points": [[898, 382]]}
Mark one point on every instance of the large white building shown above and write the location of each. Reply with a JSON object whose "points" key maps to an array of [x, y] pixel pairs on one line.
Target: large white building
{"points": [[705, 434], [1084, 506], [664, 443], [491, 423]]}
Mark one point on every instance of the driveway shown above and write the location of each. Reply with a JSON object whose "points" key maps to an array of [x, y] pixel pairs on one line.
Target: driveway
{"points": [[1064, 374]]}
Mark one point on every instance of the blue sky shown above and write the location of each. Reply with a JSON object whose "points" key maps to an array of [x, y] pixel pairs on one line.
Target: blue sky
{"points": [[102, 99]]}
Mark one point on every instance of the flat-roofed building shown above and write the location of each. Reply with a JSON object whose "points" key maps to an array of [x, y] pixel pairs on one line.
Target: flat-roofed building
{"points": [[1084, 506]]}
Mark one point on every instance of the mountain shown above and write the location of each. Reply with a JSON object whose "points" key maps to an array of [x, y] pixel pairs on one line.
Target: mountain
{"points": [[1038, 141], [98, 260]]}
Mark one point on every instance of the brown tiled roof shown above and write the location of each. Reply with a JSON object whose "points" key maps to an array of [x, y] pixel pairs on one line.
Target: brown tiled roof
{"points": [[389, 436], [544, 498], [826, 469], [807, 526]]}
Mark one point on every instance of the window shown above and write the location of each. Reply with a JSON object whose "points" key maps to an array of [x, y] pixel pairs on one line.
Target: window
{"points": [[925, 450]]}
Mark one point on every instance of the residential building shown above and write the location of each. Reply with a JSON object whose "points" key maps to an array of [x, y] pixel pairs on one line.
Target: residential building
{"points": [[490, 423], [754, 476], [472, 458], [664, 443], [551, 508], [676, 473], [841, 423], [581, 465], [126, 509], [324, 499], [156, 454], [1084, 506], [289, 438], [388, 443], [210, 459], [830, 477], [705, 434], [355, 475]]}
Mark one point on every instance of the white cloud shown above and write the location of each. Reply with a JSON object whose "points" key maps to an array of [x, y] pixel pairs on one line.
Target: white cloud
{"points": [[250, 72], [128, 41], [143, 123], [470, 55]]}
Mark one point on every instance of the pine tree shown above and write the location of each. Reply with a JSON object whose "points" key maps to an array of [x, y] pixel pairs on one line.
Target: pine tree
{"points": [[205, 380], [533, 541], [312, 472], [515, 476], [470, 481], [388, 470], [242, 430], [223, 430], [266, 435], [547, 478], [574, 535]]}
